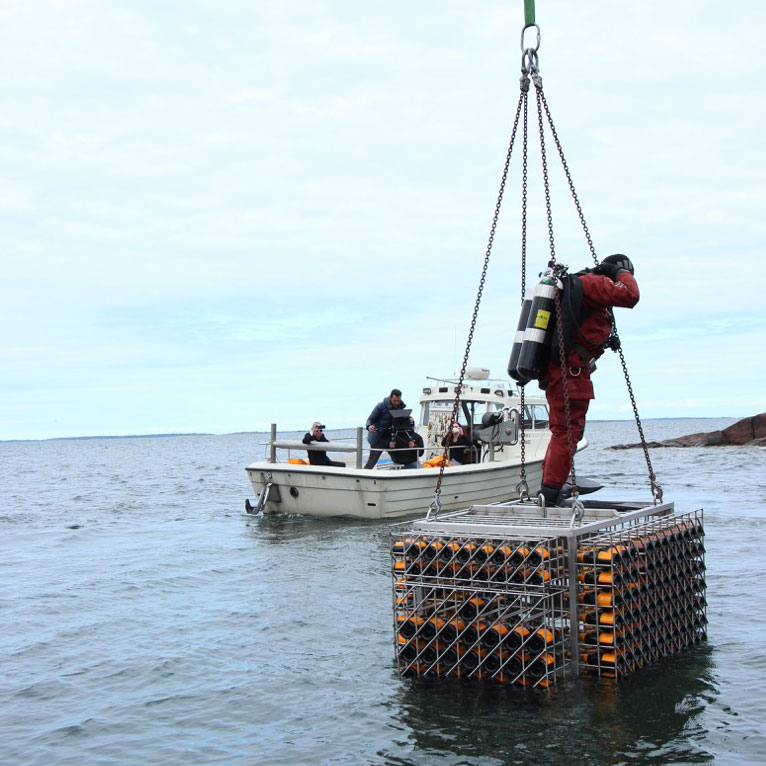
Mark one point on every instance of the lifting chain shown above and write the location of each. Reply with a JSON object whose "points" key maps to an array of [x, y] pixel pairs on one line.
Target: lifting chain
{"points": [[557, 270], [656, 488], [571, 445], [530, 70], [522, 488], [436, 502], [542, 105]]}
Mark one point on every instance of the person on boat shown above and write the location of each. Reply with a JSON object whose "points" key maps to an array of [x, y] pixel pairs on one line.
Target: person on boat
{"points": [[408, 440], [459, 451], [590, 321], [316, 434], [379, 425]]}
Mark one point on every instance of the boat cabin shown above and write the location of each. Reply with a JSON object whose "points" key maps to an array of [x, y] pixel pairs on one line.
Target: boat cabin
{"points": [[480, 396]]}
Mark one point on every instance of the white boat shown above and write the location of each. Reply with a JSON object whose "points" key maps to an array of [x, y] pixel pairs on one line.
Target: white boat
{"points": [[490, 413]]}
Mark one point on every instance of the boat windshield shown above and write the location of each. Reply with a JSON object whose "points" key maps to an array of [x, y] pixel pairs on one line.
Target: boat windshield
{"points": [[535, 416], [436, 416]]}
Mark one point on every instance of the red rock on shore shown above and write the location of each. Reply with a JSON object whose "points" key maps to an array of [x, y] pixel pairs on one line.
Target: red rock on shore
{"points": [[749, 432]]}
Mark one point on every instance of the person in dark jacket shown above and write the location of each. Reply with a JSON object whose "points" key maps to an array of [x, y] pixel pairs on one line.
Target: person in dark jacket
{"points": [[408, 440], [459, 444], [610, 284], [379, 425], [315, 456]]}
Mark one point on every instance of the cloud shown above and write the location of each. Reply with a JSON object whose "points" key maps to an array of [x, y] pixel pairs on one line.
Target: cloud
{"points": [[261, 204]]}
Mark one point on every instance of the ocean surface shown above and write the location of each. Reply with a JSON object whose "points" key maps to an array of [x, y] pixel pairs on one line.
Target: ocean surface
{"points": [[147, 620]]}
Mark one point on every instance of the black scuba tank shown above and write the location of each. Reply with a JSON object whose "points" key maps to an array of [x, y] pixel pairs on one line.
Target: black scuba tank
{"points": [[538, 336], [518, 339]]}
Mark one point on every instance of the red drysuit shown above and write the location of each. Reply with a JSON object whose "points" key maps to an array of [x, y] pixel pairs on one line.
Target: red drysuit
{"points": [[599, 294]]}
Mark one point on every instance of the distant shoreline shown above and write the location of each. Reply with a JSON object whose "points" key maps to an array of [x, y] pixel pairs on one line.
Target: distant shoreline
{"points": [[329, 430]]}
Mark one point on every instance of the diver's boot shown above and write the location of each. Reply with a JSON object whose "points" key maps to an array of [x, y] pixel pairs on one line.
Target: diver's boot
{"points": [[551, 495]]}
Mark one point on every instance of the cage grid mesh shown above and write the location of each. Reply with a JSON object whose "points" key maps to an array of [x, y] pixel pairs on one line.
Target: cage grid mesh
{"points": [[495, 594]]}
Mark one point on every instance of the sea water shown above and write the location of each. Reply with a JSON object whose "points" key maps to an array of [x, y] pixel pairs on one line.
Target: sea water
{"points": [[146, 619]]}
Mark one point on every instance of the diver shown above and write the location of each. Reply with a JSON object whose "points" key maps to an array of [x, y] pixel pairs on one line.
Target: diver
{"points": [[586, 308]]}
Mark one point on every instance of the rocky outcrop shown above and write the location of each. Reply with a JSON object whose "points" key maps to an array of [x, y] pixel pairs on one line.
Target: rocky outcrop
{"points": [[749, 432]]}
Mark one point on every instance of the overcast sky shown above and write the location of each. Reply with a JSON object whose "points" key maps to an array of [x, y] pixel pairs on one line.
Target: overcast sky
{"points": [[216, 215]]}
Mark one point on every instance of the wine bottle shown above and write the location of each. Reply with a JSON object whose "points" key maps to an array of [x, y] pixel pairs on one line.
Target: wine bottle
{"points": [[540, 667], [408, 652], [612, 554], [513, 666], [473, 633], [408, 625], [449, 550], [492, 663], [495, 635], [470, 660], [471, 608], [537, 555], [429, 655], [605, 598], [431, 627], [397, 547], [413, 568], [483, 552], [602, 617], [518, 576], [465, 553], [600, 577], [540, 639], [519, 555], [516, 637], [449, 658], [501, 554], [415, 547], [603, 637], [451, 630], [538, 577], [433, 549]]}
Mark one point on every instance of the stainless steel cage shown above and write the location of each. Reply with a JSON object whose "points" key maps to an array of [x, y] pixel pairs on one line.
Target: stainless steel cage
{"points": [[526, 595]]}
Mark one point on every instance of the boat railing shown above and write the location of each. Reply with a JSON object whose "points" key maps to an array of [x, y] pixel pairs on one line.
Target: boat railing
{"points": [[333, 446], [356, 445]]}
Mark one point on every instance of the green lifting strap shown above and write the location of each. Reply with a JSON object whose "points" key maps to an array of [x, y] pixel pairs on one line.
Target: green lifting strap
{"points": [[529, 12]]}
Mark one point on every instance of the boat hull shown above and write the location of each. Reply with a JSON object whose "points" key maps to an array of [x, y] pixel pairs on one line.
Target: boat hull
{"points": [[385, 494]]}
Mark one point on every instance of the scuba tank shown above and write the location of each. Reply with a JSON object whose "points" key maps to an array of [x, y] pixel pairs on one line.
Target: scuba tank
{"points": [[538, 336], [517, 341]]}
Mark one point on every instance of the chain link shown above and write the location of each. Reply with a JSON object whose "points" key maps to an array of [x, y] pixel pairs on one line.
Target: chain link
{"points": [[538, 92], [523, 486], [567, 173], [557, 273], [488, 253], [656, 488], [524, 187], [529, 66]]}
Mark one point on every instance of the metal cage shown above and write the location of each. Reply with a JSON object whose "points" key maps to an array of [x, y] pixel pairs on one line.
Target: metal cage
{"points": [[525, 595]]}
